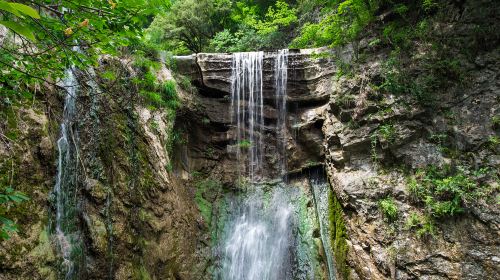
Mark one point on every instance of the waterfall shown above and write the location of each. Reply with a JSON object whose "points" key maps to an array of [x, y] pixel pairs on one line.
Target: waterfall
{"points": [[260, 238], [259, 245], [247, 105], [280, 78], [65, 193]]}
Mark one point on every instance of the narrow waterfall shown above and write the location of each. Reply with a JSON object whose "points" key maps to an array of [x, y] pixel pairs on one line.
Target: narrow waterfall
{"points": [[65, 192], [280, 78], [259, 243]]}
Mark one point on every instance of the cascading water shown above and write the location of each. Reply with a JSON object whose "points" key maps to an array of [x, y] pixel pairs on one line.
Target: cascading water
{"points": [[280, 78], [321, 191], [67, 238], [247, 103], [259, 244], [269, 230]]}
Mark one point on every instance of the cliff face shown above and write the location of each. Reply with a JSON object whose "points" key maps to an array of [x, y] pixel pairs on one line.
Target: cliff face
{"points": [[377, 145], [152, 188], [135, 219]]}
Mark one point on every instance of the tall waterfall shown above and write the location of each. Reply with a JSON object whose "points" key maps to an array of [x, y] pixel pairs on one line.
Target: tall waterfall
{"points": [[65, 192], [260, 239], [280, 78], [247, 103]]}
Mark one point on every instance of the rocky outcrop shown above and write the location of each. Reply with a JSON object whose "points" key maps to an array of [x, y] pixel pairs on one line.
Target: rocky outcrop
{"points": [[374, 141], [309, 87], [136, 219]]}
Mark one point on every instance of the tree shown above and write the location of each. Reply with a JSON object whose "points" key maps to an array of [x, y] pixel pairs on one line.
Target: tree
{"points": [[191, 23]]}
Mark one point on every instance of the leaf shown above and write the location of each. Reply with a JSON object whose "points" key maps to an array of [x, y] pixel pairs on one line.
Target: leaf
{"points": [[19, 29], [27, 10], [8, 8]]}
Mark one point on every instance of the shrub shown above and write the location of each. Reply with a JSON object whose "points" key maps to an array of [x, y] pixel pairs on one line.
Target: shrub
{"points": [[245, 144], [445, 191], [388, 208]]}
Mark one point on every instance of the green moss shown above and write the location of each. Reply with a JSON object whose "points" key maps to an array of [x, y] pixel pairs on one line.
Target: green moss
{"points": [[206, 192], [338, 236]]}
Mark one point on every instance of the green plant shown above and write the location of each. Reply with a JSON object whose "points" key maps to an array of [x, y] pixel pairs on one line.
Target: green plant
{"points": [[210, 152], [424, 225], [494, 141], [8, 198], [388, 208], [205, 121], [495, 121], [19, 11], [445, 191], [245, 144], [387, 132]]}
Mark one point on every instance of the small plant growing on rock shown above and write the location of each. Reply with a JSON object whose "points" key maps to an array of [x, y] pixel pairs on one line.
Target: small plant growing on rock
{"points": [[389, 208], [245, 144], [445, 191], [387, 132], [495, 121], [424, 225], [494, 142]]}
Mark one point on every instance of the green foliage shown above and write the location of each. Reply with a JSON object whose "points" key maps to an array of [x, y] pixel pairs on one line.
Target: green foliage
{"points": [[495, 122], [387, 132], [245, 144], [97, 27], [157, 95], [494, 142], [188, 25], [19, 11], [251, 30], [342, 23], [423, 224], [389, 208], [8, 198], [446, 191]]}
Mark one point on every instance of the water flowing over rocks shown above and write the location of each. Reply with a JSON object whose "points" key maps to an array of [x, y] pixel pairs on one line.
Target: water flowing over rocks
{"points": [[152, 204]]}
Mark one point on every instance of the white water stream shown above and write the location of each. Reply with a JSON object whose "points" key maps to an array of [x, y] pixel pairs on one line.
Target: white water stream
{"points": [[65, 187]]}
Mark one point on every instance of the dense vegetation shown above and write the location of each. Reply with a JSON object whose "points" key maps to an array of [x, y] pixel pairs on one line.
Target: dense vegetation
{"points": [[229, 25]]}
